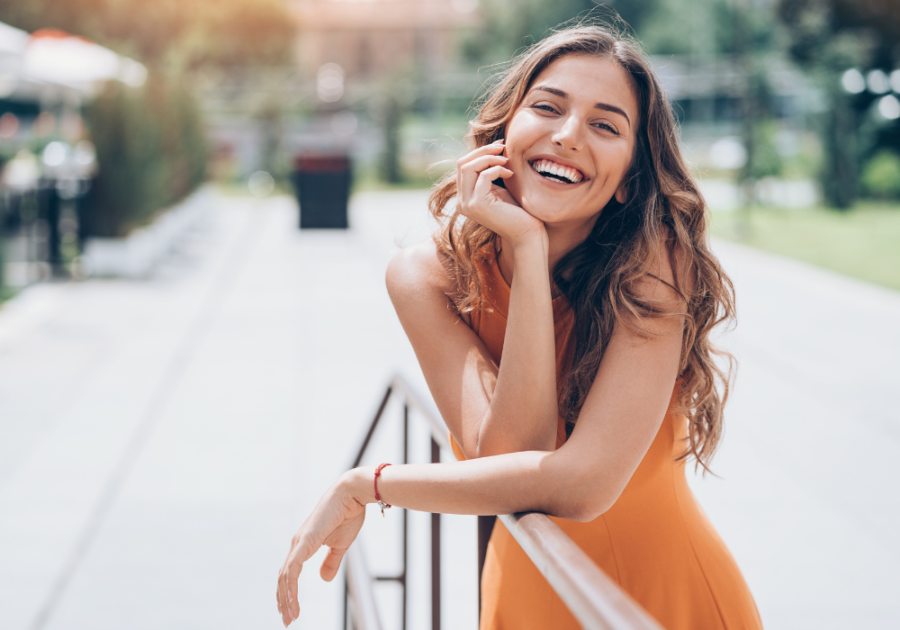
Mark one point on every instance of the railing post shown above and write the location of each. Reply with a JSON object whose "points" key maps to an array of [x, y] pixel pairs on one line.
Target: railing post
{"points": [[435, 553], [346, 599], [371, 432], [403, 575], [485, 529]]}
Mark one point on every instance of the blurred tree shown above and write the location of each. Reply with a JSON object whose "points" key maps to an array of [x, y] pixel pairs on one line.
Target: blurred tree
{"points": [[828, 37], [710, 24], [391, 168], [745, 34], [881, 175], [509, 25]]}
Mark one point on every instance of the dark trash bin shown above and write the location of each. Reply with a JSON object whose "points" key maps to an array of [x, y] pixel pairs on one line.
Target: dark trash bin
{"points": [[322, 184]]}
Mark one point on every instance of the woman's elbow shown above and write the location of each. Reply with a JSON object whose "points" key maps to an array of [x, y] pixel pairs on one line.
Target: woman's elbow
{"points": [[491, 441], [585, 499], [583, 510], [490, 447], [591, 510]]}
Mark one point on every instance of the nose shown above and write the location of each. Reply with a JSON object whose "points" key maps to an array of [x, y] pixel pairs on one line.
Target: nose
{"points": [[568, 135]]}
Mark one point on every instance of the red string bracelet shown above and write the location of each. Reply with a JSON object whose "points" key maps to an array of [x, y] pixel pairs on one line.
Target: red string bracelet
{"points": [[381, 503]]}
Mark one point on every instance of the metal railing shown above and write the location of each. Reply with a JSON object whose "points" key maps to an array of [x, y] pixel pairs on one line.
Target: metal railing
{"points": [[594, 599]]}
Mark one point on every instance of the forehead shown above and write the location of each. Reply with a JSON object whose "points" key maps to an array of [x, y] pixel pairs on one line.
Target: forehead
{"points": [[592, 79]]}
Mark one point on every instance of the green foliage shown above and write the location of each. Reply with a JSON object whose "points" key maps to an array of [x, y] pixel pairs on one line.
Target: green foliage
{"points": [[827, 37], [881, 175], [176, 34], [665, 27], [151, 153], [763, 159], [510, 25]]}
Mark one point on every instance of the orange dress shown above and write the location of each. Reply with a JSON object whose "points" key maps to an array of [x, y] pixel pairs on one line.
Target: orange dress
{"points": [[656, 542]]}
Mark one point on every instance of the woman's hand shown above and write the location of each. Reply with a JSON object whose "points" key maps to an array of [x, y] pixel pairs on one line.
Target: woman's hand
{"points": [[479, 199], [335, 522]]}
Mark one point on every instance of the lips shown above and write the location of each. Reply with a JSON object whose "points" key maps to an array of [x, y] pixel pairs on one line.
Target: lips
{"points": [[554, 171]]}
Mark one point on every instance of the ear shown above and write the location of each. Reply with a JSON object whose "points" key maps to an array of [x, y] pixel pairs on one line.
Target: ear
{"points": [[622, 194]]}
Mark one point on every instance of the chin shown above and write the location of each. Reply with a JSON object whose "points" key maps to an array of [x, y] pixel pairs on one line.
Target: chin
{"points": [[550, 211]]}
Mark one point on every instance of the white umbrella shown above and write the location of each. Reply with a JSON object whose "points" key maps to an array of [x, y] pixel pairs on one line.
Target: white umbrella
{"points": [[12, 40], [57, 57]]}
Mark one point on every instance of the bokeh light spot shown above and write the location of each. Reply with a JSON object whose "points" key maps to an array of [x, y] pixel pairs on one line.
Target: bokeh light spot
{"points": [[853, 81], [889, 107], [261, 184]]}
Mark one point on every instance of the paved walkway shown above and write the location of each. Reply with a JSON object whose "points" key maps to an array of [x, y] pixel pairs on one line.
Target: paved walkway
{"points": [[161, 440]]}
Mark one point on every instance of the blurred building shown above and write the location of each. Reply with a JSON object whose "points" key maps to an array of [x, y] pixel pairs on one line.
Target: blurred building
{"points": [[376, 38], [360, 66], [713, 97]]}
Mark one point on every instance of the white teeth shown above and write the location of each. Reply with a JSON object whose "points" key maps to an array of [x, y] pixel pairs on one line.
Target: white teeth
{"points": [[552, 168]]}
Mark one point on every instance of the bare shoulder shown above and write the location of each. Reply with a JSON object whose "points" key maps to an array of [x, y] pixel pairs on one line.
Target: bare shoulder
{"points": [[418, 271], [664, 287], [669, 275]]}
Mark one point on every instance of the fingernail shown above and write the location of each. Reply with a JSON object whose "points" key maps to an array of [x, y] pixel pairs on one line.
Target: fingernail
{"points": [[290, 596]]}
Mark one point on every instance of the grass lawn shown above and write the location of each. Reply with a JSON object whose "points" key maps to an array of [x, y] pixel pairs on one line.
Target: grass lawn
{"points": [[5, 294], [863, 243]]}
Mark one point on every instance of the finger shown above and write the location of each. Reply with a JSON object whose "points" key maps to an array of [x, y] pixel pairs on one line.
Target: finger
{"points": [[485, 161], [468, 174], [494, 149], [288, 594], [489, 149], [486, 179], [282, 600], [331, 563], [282, 610], [292, 589], [485, 183]]}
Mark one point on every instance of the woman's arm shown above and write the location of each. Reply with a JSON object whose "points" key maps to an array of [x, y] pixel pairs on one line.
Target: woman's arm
{"points": [[489, 410], [583, 478], [579, 481]]}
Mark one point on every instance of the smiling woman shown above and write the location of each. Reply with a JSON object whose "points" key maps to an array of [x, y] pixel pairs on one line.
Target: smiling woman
{"points": [[561, 318]]}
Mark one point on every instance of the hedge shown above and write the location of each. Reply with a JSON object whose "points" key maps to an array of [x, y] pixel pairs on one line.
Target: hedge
{"points": [[151, 153]]}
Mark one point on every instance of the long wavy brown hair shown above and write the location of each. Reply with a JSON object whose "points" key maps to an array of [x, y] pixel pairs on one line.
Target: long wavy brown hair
{"points": [[599, 277]]}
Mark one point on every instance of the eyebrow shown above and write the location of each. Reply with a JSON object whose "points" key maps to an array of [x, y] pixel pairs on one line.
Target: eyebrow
{"points": [[604, 106]]}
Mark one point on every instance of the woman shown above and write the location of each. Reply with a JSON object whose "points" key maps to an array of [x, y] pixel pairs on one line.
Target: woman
{"points": [[577, 249]]}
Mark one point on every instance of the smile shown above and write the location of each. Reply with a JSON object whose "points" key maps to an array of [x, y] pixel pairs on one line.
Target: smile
{"points": [[557, 172]]}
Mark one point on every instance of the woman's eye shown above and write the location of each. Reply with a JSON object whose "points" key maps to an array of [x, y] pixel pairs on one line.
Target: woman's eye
{"points": [[607, 127], [546, 108]]}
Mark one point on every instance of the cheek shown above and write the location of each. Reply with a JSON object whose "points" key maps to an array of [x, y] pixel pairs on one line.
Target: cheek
{"points": [[521, 132], [618, 161]]}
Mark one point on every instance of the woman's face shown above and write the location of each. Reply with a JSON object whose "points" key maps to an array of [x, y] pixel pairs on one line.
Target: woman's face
{"points": [[571, 141]]}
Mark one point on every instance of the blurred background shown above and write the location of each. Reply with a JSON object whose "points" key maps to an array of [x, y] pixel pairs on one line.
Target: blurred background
{"points": [[187, 362], [112, 112]]}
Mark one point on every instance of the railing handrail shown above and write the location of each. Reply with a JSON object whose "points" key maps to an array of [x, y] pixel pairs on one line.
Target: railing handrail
{"points": [[592, 597], [595, 600]]}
